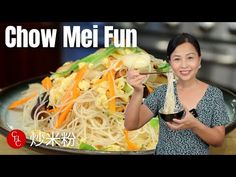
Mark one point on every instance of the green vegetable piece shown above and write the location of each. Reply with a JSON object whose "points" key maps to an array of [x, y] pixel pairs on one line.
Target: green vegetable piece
{"points": [[85, 146], [92, 58], [127, 88], [164, 67], [154, 122]]}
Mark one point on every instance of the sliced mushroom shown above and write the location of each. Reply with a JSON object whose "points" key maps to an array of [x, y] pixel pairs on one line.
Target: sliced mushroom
{"points": [[43, 107]]}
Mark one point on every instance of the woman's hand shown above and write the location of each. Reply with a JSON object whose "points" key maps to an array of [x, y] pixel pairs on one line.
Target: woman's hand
{"points": [[211, 135], [136, 80], [136, 114], [187, 122]]}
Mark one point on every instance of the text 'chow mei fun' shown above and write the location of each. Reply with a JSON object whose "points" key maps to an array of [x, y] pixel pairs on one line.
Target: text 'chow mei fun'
{"points": [[73, 36]]}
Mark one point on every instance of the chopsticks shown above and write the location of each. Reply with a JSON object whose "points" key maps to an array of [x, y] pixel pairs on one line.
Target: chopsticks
{"points": [[158, 72]]}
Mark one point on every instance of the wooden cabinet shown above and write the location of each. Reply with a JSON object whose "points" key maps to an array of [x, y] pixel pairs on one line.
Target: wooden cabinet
{"points": [[17, 64]]}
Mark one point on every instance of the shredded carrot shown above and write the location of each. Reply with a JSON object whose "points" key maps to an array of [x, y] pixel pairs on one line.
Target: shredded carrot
{"points": [[78, 78], [75, 92], [81, 73], [111, 88], [47, 83], [150, 89], [108, 64], [120, 108], [67, 96], [119, 63], [21, 101], [73, 89], [64, 114], [104, 77], [131, 146], [113, 71]]}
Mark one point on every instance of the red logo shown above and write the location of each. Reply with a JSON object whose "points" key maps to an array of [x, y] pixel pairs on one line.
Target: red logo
{"points": [[16, 139]]}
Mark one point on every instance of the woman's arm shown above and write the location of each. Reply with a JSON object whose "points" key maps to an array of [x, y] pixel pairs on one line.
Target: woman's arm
{"points": [[136, 114], [213, 136]]}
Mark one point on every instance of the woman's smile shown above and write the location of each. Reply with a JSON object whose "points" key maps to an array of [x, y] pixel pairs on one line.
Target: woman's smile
{"points": [[185, 72]]}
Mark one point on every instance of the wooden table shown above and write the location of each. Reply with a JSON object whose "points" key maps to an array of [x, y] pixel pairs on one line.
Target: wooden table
{"points": [[5, 149], [228, 147]]}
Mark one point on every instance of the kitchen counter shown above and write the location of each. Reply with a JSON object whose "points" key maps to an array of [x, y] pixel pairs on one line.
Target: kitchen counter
{"points": [[228, 147], [5, 149]]}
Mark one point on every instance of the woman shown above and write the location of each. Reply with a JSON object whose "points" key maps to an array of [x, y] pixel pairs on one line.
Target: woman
{"points": [[189, 135]]}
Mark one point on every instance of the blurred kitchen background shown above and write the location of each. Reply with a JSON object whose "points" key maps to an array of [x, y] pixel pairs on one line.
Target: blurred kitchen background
{"points": [[217, 40]]}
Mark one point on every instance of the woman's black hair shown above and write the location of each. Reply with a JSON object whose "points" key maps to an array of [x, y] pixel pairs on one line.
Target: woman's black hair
{"points": [[180, 39]]}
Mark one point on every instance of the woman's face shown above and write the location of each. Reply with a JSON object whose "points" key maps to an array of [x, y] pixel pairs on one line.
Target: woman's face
{"points": [[185, 61]]}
